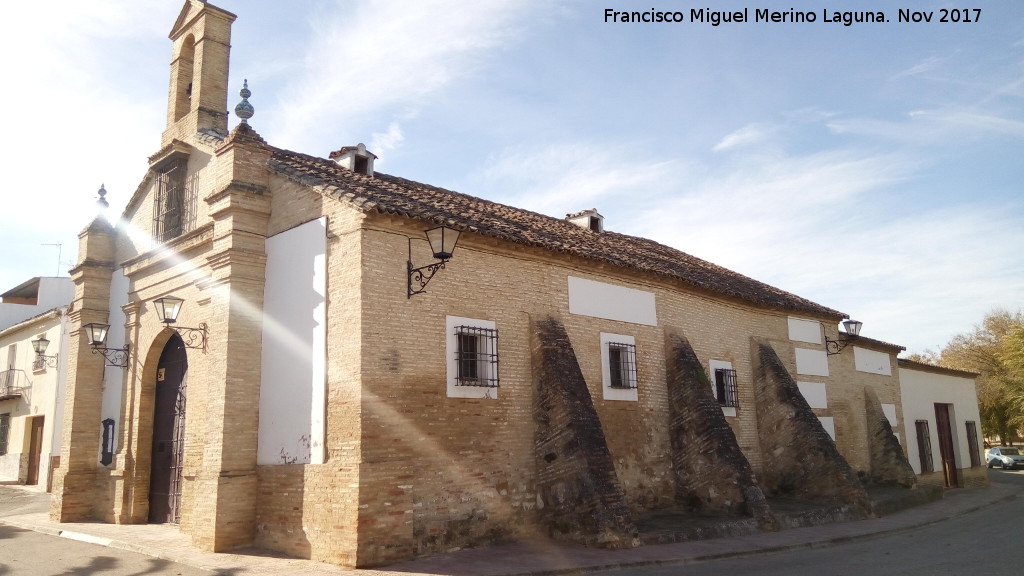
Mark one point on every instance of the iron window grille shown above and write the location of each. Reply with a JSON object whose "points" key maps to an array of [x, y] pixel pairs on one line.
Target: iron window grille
{"points": [[175, 202], [972, 444], [924, 446], [622, 365], [725, 387], [5, 428], [476, 356]]}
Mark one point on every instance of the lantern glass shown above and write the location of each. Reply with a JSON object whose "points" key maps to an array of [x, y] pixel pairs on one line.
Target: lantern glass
{"points": [[40, 345], [852, 327], [167, 308], [96, 333], [442, 241]]}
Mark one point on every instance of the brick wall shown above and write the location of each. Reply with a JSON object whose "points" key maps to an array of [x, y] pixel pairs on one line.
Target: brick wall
{"points": [[473, 457]]}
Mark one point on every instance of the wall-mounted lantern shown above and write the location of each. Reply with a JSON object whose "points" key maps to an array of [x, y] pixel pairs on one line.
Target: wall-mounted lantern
{"points": [[833, 347], [96, 333], [42, 360], [167, 309], [442, 245]]}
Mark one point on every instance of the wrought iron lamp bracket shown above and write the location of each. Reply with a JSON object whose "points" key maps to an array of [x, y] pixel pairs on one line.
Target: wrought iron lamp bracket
{"points": [[44, 361], [192, 337], [115, 356], [422, 275], [833, 347]]}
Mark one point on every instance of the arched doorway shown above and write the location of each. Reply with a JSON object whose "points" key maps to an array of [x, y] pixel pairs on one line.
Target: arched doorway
{"points": [[168, 434]]}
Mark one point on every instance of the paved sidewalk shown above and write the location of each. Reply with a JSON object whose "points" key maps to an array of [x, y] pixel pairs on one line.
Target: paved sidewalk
{"points": [[530, 557]]}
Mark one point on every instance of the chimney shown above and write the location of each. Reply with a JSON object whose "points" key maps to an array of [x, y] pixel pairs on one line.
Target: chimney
{"points": [[588, 219], [355, 158]]}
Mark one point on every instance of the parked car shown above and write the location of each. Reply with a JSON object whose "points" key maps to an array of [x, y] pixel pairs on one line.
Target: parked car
{"points": [[1005, 456]]}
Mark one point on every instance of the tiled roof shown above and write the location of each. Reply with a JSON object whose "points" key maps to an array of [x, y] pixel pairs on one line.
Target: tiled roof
{"points": [[871, 342], [914, 365], [392, 195]]}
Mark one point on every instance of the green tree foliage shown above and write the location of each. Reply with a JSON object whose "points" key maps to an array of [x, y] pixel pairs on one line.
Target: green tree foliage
{"points": [[995, 351]]}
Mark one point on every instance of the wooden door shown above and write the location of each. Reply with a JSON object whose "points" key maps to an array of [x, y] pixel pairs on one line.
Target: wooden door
{"points": [[168, 434], [35, 450], [945, 431]]}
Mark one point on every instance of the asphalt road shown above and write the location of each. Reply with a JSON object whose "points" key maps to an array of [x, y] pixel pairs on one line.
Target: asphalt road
{"points": [[983, 542], [27, 553]]}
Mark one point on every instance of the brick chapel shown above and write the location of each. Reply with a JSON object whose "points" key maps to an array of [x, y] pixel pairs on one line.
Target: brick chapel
{"points": [[305, 354]]}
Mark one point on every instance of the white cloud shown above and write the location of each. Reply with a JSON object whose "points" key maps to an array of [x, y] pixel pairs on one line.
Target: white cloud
{"points": [[383, 54], [929, 127], [924, 66], [78, 122], [567, 177], [383, 142], [746, 136]]}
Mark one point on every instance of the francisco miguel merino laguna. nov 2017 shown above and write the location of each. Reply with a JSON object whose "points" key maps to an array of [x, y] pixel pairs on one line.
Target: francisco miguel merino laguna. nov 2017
{"points": [[846, 18]]}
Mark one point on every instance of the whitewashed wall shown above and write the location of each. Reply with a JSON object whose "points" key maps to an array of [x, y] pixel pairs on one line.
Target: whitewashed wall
{"points": [[53, 293], [293, 385], [611, 302], [920, 391], [113, 378]]}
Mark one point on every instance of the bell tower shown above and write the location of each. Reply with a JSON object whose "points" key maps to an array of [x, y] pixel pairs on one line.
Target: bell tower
{"points": [[198, 95]]}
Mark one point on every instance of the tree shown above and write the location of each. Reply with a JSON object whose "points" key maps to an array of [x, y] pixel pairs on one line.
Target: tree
{"points": [[995, 351], [1011, 355]]}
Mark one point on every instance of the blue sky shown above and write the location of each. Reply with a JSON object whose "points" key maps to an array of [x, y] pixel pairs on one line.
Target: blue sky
{"points": [[874, 168]]}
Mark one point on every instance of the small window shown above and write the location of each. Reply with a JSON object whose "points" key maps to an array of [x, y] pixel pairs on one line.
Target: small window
{"points": [[619, 380], [924, 445], [5, 428], [621, 365], [972, 444], [725, 387], [471, 350], [476, 356], [174, 200], [107, 445]]}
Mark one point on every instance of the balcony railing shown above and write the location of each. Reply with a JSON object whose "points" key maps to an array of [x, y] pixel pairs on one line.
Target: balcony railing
{"points": [[13, 384]]}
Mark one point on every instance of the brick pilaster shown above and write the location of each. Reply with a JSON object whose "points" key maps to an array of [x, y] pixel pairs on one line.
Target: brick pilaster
{"points": [[74, 482]]}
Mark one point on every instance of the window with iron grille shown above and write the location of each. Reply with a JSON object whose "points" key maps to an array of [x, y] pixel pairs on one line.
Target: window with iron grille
{"points": [[972, 444], [619, 368], [5, 428], [725, 387], [621, 365], [924, 445], [476, 357], [174, 201]]}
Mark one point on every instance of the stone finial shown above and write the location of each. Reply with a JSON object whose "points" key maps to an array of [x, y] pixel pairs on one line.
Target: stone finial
{"points": [[244, 110], [102, 201]]}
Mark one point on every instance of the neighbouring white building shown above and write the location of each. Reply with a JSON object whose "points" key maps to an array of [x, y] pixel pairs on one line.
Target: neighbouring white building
{"points": [[943, 425], [33, 297], [34, 314]]}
